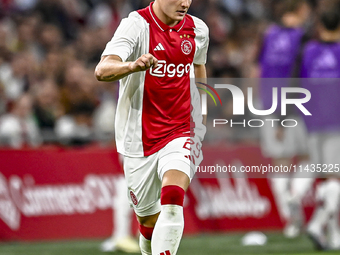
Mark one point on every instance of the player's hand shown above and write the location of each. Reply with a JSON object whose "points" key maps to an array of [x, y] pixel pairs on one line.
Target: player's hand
{"points": [[143, 63]]}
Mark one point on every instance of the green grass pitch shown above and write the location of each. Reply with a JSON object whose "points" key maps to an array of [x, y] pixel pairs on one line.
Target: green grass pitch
{"points": [[226, 244]]}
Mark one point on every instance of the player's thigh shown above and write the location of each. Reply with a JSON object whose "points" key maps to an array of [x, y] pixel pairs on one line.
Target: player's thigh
{"points": [[331, 149], [143, 184], [315, 143], [299, 137], [324, 148], [183, 154], [332, 197]]}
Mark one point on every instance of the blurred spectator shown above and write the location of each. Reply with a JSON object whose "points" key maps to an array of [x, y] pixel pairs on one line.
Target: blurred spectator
{"points": [[86, 49], [27, 28], [321, 64], [79, 98], [104, 119], [59, 13], [76, 128], [62, 40], [53, 65], [109, 13], [78, 86], [15, 76], [18, 128], [2, 100], [279, 54], [50, 38], [19, 5], [47, 108]]}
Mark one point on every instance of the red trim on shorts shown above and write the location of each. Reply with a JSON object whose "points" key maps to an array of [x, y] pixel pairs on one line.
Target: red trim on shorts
{"points": [[172, 195], [146, 231]]}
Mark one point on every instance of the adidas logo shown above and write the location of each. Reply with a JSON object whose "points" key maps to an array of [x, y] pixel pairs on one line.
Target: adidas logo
{"points": [[159, 47]]}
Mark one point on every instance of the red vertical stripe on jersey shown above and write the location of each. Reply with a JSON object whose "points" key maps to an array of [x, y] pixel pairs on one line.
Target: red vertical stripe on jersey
{"points": [[166, 113], [165, 253]]}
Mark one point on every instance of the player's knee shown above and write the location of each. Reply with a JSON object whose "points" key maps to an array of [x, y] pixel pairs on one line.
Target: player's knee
{"points": [[177, 178], [172, 195], [148, 221]]}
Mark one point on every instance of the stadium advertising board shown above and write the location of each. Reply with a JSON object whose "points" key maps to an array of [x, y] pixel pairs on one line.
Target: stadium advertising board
{"points": [[62, 194]]}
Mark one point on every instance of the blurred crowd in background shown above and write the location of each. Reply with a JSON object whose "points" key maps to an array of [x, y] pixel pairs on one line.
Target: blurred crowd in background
{"points": [[49, 49]]}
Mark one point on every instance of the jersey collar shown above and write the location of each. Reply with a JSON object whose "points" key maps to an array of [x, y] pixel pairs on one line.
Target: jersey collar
{"points": [[163, 26]]}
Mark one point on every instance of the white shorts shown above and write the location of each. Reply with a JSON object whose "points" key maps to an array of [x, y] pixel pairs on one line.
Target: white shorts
{"points": [[294, 140], [325, 149], [144, 174]]}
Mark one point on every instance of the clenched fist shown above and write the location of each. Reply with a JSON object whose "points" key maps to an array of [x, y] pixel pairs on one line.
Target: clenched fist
{"points": [[143, 63]]}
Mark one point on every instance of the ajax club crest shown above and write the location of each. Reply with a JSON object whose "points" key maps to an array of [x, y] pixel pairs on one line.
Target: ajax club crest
{"points": [[186, 46]]}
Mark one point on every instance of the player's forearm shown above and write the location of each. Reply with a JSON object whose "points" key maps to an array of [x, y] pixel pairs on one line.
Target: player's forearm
{"points": [[112, 70], [201, 77], [200, 72]]}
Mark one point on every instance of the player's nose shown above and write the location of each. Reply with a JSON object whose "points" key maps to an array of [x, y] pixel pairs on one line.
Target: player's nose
{"points": [[186, 3]]}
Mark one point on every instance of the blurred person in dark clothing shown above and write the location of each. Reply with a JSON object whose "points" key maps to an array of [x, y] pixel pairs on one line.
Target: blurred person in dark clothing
{"points": [[76, 127], [3, 100], [279, 52], [56, 12], [47, 108], [53, 65], [17, 75], [86, 47], [79, 99], [26, 34], [321, 67], [282, 41], [78, 86], [50, 38]]}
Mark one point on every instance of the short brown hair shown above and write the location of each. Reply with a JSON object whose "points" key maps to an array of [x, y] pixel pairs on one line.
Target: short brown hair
{"points": [[292, 5]]}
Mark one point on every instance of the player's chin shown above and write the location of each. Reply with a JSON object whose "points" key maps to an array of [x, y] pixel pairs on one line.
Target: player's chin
{"points": [[178, 17]]}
